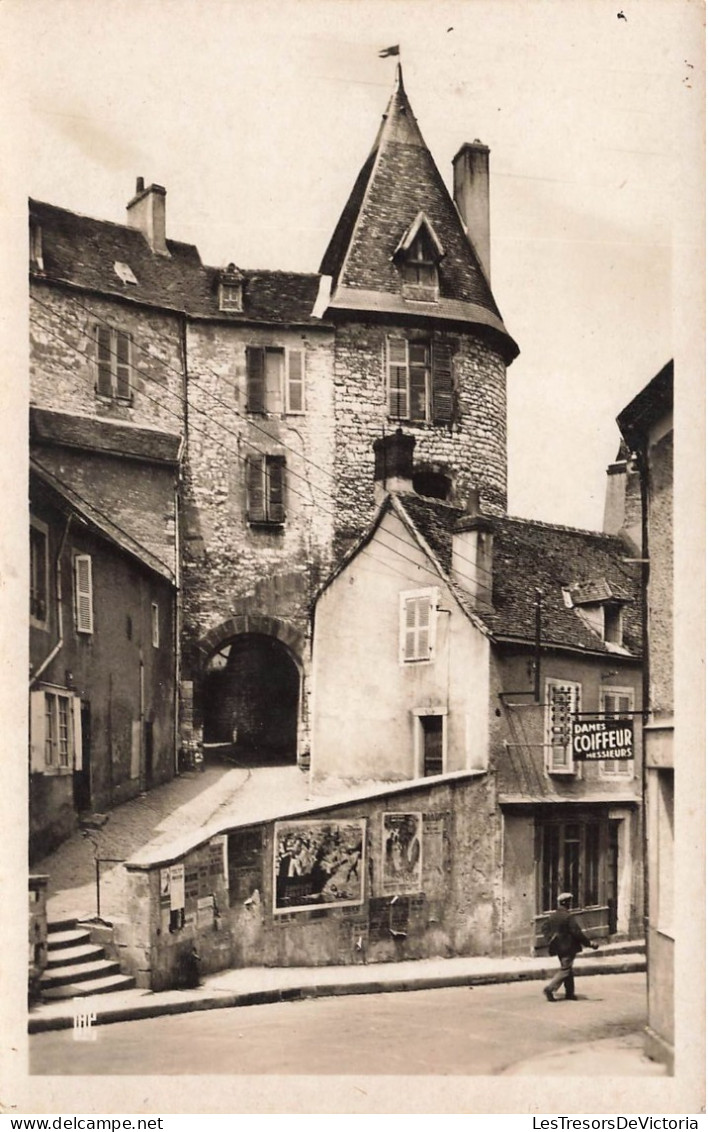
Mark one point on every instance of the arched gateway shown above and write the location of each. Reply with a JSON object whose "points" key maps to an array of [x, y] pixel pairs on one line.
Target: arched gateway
{"points": [[251, 689]]}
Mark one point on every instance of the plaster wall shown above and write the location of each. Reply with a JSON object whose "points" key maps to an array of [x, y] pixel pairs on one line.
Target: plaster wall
{"points": [[450, 909], [364, 697]]}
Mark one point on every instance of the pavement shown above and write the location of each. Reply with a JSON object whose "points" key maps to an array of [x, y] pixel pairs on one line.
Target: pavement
{"points": [[196, 800]]}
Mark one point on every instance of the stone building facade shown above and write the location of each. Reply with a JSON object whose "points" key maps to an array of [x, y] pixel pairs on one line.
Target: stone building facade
{"points": [[275, 385]]}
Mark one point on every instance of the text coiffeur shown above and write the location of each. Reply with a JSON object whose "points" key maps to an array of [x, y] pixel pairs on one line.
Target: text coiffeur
{"points": [[598, 739]]}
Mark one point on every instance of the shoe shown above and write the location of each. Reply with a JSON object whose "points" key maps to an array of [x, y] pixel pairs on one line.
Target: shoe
{"points": [[548, 994], [571, 998]]}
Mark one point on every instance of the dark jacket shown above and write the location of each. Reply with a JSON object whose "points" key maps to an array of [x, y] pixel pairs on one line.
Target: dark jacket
{"points": [[569, 936]]}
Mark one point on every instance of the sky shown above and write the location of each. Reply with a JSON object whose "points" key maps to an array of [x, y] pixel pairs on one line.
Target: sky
{"points": [[257, 117]]}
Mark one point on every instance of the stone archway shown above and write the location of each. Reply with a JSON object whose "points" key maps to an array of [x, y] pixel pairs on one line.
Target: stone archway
{"points": [[251, 690]]}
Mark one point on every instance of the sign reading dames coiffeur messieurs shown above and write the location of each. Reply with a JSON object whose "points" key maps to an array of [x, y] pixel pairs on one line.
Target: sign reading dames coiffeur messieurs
{"points": [[603, 739]]}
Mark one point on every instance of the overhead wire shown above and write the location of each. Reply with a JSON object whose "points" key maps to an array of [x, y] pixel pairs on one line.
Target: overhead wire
{"points": [[232, 409]]}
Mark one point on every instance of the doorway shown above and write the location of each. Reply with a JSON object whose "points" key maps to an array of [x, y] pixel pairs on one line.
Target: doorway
{"points": [[251, 700]]}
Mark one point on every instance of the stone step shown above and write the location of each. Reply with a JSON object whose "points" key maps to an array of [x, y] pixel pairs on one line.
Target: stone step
{"points": [[61, 925], [86, 989], [71, 937], [80, 972], [84, 953]]}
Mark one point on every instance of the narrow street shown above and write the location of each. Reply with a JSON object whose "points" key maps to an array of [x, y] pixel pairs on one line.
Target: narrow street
{"points": [[485, 1030]]}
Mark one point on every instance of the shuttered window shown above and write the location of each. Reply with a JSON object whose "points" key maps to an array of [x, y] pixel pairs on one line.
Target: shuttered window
{"points": [[113, 362], [562, 702], [616, 703], [419, 379], [275, 380], [265, 489], [83, 593], [417, 625]]}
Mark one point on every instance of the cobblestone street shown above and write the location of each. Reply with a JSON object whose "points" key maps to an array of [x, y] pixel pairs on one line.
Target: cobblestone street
{"points": [[191, 801]]}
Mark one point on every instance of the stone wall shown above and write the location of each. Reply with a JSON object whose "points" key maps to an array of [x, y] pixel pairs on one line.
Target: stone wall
{"points": [[441, 903], [472, 448], [63, 351]]}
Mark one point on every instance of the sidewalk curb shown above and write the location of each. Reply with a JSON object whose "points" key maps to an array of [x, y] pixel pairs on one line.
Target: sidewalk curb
{"points": [[301, 993]]}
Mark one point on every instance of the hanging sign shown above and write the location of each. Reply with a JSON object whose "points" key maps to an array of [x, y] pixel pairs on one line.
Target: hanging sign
{"points": [[599, 739]]}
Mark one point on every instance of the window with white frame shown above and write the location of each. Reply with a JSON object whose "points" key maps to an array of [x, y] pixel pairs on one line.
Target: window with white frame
{"points": [[616, 703], [55, 731], [113, 362], [562, 702], [83, 593], [39, 576], [155, 619], [275, 380], [417, 626]]}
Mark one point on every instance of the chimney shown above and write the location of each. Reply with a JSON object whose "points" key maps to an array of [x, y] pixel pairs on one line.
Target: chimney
{"points": [[471, 195], [472, 553], [623, 502], [146, 212], [393, 467]]}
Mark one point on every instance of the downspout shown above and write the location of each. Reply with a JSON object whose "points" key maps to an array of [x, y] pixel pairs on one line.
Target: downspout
{"points": [[177, 626], [60, 618], [643, 464], [537, 648]]}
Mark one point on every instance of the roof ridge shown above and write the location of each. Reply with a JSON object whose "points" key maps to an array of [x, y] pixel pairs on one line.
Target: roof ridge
{"points": [[556, 526]]}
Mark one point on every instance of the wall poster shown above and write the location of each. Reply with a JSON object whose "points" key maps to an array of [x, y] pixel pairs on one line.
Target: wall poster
{"points": [[402, 858], [318, 862]]}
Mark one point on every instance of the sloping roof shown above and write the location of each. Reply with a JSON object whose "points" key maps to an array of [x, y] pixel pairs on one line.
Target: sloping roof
{"points": [[529, 555], [398, 181], [95, 435], [82, 252], [100, 523], [655, 399]]}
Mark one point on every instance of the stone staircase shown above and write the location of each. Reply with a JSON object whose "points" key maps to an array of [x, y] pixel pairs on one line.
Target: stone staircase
{"points": [[76, 966]]}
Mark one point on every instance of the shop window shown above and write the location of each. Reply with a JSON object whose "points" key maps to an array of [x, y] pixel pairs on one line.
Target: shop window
{"points": [[39, 578], [562, 703], [573, 859], [417, 626], [616, 703], [265, 488], [275, 380], [113, 363]]}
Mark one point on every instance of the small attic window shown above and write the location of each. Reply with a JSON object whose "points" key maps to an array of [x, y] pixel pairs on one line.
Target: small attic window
{"points": [[418, 256], [231, 290], [124, 272]]}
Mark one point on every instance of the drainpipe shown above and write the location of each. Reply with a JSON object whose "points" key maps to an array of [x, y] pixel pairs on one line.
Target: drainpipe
{"points": [[60, 618], [537, 648]]}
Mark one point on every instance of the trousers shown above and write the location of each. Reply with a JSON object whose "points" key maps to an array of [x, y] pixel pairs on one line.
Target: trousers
{"points": [[564, 975]]}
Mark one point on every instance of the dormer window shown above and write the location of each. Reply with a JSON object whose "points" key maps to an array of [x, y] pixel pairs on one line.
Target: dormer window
{"points": [[418, 256], [124, 272], [231, 290], [599, 605]]}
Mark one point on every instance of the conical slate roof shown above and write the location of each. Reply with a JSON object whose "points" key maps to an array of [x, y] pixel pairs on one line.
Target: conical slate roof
{"points": [[397, 182]]}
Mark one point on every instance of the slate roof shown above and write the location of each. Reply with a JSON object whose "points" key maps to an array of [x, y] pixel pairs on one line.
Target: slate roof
{"points": [[99, 523], [655, 399], [398, 180], [530, 555], [95, 435], [82, 252]]}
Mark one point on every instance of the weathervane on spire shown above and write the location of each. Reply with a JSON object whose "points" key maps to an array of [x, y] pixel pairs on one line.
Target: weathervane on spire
{"points": [[386, 51]]}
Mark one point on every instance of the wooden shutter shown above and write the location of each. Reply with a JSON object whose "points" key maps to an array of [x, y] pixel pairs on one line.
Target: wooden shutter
{"points": [[562, 701], [37, 732], [255, 505], [397, 377], [416, 626], [122, 345], [255, 379], [84, 593], [76, 722], [443, 400], [275, 471], [104, 368], [296, 382]]}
